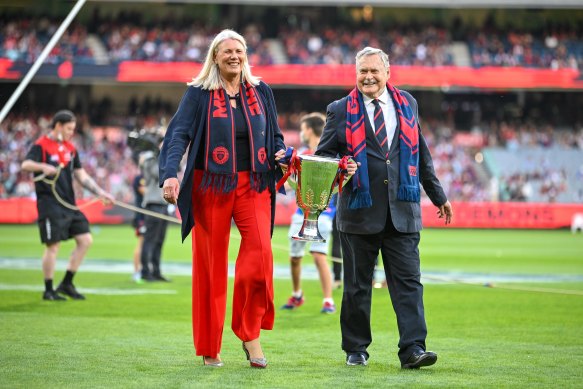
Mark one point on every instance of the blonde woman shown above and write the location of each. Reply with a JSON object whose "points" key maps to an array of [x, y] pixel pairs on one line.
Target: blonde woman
{"points": [[227, 119]]}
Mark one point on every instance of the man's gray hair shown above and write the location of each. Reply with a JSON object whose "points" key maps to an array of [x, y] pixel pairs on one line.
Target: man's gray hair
{"points": [[372, 51]]}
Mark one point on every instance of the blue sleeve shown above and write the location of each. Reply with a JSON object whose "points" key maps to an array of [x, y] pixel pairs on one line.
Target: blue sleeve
{"points": [[329, 145], [272, 112], [179, 134]]}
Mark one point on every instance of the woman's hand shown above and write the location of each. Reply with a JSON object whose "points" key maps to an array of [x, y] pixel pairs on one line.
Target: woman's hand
{"points": [[170, 190], [278, 157]]}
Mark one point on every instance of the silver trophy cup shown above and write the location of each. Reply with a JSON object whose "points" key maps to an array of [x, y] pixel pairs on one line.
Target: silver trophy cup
{"points": [[316, 182]]}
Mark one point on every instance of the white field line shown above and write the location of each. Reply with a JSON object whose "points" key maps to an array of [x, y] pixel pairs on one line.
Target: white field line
{"points": [[102, 291], [309, 272]]}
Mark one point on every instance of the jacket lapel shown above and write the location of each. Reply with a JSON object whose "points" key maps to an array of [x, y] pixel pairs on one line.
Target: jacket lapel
{"points": [[395, 142]]}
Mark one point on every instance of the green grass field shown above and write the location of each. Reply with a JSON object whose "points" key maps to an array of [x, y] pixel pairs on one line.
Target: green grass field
{"points": [[525, 333]]}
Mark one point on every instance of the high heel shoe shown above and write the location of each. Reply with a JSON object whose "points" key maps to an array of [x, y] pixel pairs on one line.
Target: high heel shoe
{"points": [[260, 363], [212, 364]]}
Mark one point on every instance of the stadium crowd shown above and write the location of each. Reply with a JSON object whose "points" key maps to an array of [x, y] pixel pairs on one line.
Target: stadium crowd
{"points": [[129, 37], [106, 156], [552, 50], [168, 42], [23, 39], [338, 45]]}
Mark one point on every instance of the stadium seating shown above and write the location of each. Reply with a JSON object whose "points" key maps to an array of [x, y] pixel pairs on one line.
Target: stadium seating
{"points": [[519, 171], [130, 38], [537, 174]]}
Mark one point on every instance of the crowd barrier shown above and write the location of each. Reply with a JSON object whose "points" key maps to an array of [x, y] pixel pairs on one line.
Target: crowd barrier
{"points": [[466, 214], [341, 76]]}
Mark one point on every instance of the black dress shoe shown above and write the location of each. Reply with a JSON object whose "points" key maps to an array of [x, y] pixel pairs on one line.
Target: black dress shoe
{"points": [[51, 295], [419, 359], [356, 359], [159, 277], [69, 290]]}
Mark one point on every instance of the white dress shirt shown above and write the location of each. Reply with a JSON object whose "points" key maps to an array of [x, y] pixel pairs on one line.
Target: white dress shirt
{"points": [[389, 114]]}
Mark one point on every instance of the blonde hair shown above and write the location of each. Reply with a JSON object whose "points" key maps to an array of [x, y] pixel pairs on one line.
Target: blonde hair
{"points": [[209, 77]]}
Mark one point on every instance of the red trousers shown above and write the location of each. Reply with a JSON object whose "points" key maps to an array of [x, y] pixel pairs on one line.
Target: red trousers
{"points": [[253, 291]]}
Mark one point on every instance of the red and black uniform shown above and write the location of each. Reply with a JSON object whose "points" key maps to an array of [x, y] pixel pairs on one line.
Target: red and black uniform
{"points": [[55, 220]]}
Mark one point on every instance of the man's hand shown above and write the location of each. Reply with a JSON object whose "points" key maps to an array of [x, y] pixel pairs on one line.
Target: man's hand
{"points": [[351, 167], [170, 190], [446, 211]]}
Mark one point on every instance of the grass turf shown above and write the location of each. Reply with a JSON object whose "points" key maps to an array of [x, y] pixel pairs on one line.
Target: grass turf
{"points": [[485, 337], [483, 251]]}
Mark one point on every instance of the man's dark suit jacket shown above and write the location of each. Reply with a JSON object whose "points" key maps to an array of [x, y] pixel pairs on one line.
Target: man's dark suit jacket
{"points": [[383, 175]]}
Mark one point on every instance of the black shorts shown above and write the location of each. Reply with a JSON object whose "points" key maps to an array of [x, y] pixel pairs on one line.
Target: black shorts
{"points": [[62, 225], [140, 227]]}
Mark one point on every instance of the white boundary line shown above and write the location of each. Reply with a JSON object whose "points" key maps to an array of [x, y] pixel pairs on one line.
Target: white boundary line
{"points": [[101, 291]]}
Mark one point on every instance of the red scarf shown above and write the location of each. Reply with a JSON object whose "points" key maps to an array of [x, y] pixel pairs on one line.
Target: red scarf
{"points": [[409, 189]]}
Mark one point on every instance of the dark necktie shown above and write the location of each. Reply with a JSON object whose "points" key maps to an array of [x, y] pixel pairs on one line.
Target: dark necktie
{"points": [[379, 125]]}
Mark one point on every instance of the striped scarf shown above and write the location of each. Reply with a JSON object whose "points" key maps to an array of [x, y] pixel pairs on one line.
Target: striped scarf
{"points": [[220, 170], [409, 189]]}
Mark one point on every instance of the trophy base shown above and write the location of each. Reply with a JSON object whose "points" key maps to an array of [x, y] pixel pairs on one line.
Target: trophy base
{"points": [[309, 232]]}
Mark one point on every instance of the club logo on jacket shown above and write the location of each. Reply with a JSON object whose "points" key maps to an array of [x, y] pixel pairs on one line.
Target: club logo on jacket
{"points": [[261, 155], [413, 171], [220, 155]]}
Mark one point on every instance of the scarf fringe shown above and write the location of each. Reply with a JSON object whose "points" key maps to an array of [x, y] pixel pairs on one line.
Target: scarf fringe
{"points": [[359, 199], [218, 183], [409, 193], [261, 181], [225, 183]]}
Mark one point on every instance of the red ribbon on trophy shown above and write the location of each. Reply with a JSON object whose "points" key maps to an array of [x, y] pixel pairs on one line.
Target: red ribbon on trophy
{"points": [[292, 165]]}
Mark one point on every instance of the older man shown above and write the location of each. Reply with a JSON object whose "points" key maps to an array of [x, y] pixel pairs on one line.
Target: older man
{"points": [[379, 210]]}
